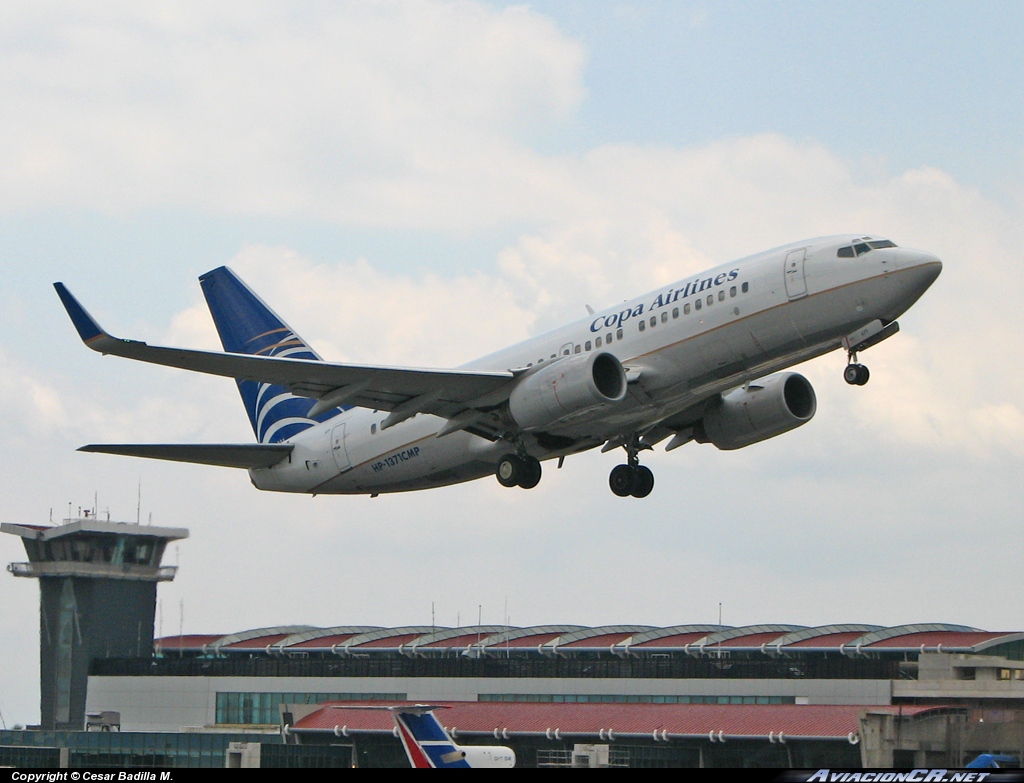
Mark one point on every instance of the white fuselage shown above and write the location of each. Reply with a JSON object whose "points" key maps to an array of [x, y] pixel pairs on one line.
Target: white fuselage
{"points": [[757, 315]]}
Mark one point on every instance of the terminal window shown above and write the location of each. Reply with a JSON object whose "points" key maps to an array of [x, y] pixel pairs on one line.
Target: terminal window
{"points": [[264, 709]]}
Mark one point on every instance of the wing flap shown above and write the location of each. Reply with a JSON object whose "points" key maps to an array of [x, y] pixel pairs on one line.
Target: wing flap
{"points": [[227, 455]]}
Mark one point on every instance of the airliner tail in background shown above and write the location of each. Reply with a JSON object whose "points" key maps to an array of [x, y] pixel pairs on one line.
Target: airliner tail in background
{"points": [[429, 745]]}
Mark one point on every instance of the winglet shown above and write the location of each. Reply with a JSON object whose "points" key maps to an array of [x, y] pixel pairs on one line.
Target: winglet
{"points": [[86, 325]]}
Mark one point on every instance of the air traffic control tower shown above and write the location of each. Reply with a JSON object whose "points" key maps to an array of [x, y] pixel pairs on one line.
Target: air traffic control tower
{"points": [[97, 586]]}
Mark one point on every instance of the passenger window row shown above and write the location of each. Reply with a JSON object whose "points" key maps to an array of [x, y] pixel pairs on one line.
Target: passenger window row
{"points": [[699, 304], [642, 324]]}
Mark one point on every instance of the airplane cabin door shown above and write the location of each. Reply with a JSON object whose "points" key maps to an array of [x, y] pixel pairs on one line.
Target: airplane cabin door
{"points": [[796, 284], [338, 448]]}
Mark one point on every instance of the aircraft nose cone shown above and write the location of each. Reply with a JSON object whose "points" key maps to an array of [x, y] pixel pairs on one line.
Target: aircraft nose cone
{"points": [[930, 267], [922, 271]]}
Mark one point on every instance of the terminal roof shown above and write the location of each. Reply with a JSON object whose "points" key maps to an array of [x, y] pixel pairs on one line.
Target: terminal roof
{"points": [[848, 639]]}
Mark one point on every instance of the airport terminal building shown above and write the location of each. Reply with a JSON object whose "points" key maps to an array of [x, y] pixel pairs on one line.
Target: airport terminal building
{"points": [[688, 695], [771, 695], [242, 678]]}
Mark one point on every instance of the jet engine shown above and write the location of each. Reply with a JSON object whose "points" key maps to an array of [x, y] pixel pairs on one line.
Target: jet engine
{"points": [[760, 410], [566, 387]]}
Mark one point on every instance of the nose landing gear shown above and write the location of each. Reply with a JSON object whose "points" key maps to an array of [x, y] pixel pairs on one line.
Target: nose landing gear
{"points": [[855, 374], [632, 479]]}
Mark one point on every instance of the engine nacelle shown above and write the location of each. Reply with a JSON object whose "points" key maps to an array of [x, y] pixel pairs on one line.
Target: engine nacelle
{"points": [[566, 387], [763, 409]]}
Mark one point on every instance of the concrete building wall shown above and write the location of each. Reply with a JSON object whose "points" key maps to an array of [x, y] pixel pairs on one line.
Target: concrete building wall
{"points": [[170, 703]]}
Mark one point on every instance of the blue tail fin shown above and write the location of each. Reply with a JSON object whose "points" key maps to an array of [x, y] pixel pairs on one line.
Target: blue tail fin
{"points": [[426, 742], [246, 325]]}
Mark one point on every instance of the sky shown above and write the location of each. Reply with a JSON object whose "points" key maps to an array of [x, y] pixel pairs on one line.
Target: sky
{"points": [[424, 182]]}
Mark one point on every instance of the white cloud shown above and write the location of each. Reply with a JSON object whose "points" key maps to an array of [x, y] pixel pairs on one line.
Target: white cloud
{"points": [[354, 111], [28, 399], [354, 312]]}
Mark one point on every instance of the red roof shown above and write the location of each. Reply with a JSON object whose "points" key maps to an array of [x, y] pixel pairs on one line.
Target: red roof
{"points": [[323, 641], [676, 640], [257, 642], [945, 638], [750, 640], [830, 640], [732, 720], [389, 641], [604, 640], [195, 641], [458, 641], [534, 640]]}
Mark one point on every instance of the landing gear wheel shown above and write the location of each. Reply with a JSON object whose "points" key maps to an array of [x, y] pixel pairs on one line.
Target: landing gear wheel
{"points": [[510, 470], [856, 374], [621, 480], [530, 473], [643, 481]]}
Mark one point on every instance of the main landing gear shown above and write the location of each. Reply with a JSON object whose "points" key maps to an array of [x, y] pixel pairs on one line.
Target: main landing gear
{"points": [[632, 478], [855, 374], [515, 470]]}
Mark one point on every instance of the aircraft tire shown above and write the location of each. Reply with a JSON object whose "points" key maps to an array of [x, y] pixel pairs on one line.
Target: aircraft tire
{"points": [[643, 481], [531, 472], [856, 374], [621, 480], [510, 470]]}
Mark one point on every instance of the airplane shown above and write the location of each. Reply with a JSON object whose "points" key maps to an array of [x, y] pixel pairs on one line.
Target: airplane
{"points": [[704, 359], [429, 745]]}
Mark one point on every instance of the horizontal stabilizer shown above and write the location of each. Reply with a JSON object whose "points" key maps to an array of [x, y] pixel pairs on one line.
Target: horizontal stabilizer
{"points": [[228, 455]]}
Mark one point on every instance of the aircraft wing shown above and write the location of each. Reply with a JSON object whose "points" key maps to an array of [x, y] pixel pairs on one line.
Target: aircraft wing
{"points": [[403, 391], [227, 455]]}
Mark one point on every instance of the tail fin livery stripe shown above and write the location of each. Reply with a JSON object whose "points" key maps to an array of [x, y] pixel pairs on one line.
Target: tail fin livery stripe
{"points": [[425, 727], [271, 350], [272, 331], [283, 429], [416, 756], [246, 325], [431, 740]]}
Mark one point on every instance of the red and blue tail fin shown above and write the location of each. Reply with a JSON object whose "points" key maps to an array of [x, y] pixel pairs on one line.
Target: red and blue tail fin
{"points": [[425, 741], [246, 325]]}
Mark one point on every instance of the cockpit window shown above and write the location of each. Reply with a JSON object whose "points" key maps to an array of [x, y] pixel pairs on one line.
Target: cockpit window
{"points": [[861, 248]]}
